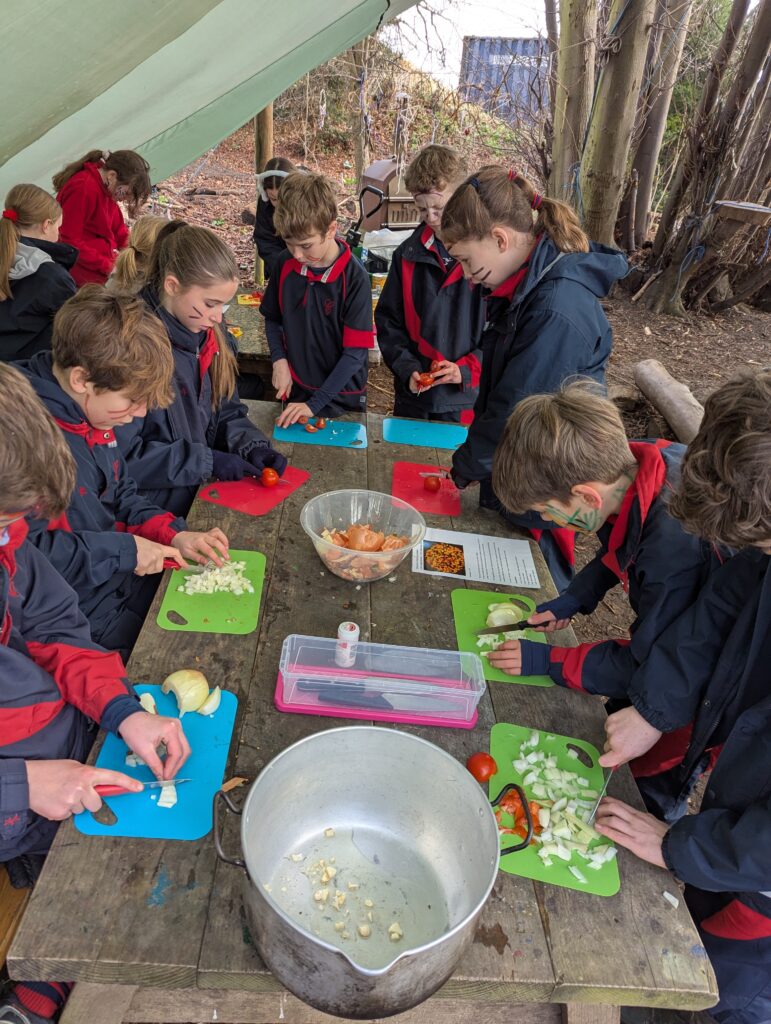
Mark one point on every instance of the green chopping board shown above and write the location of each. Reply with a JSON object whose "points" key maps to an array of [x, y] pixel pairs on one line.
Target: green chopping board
{"points": [[215, 613], [469, 609], [505, 742]]}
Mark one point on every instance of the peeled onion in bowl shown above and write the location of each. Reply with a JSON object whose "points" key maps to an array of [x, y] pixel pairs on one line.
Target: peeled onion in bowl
{"points": [[362, 538]]}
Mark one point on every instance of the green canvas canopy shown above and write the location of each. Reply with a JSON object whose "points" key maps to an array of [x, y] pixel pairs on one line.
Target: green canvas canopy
{"points": [[168, 78]]}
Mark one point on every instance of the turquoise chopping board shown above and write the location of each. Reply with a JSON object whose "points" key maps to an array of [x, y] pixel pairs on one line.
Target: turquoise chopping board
{"points": [[336, 434], [424, 433], [191, 817]]}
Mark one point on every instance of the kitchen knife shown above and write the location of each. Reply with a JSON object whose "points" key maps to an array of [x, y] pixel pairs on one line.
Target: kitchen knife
{"points": [[112, 790], [494, 630], [443, 474], [360, 697], [593, 815]]}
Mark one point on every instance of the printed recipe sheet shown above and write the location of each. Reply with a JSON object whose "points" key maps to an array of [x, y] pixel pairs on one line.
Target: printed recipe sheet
{"points": [[472, 556]]}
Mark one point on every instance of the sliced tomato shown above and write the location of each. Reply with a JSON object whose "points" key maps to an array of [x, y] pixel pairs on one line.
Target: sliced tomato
{"points": [[482, 766], [320, 423], [435, 366], [425, 380], [311, 429]]}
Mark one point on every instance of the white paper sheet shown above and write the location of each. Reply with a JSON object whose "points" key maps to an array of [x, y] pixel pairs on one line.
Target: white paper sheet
{"points": [[479, 558]]}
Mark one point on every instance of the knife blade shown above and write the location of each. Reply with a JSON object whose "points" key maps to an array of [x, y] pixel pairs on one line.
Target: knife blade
{"points": [[494, 630], [443, 474], [113, 790], [360, 697], [593, 815]]}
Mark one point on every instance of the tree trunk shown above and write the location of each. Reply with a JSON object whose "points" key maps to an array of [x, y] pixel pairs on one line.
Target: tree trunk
{"points": [[670, 50], [702, 243], [747, 287], [604, 163], [552, 47], [575, 81], [709, 97], [756, 139], [263, 151], [360, 123], [670, 397]]}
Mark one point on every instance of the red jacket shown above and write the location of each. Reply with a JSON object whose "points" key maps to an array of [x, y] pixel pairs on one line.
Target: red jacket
{"points": [[93, 223]]}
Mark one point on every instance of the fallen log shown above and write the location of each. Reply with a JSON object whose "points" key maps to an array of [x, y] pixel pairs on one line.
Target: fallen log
{"points": [[671, 398]]}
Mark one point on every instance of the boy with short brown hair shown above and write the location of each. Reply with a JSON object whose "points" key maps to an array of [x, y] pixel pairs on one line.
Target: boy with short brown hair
{"points": [[110, 361], [317, 307], [53, 678], [566, 456], [429, 319], [711, 669]]}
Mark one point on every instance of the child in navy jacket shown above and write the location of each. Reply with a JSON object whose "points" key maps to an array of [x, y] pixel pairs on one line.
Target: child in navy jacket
{"points": [[543, 281], [317, 308], [206, 430], [567, 457], [34, 271], [714, 665], [428, 314], [110, 360], [53, 678]]}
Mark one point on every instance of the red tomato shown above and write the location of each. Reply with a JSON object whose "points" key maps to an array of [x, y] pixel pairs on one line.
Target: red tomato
{"points": [[320, 423], [303, 419], [269, 477], [425, 380], [432, 483], [435, 366], [310, 428], [481, 766]]}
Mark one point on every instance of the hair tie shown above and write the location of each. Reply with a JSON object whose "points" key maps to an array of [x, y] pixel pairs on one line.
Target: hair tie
{"points": [[537, 200], [106, 155], [11, 215], [513, 175], [474, 182]]}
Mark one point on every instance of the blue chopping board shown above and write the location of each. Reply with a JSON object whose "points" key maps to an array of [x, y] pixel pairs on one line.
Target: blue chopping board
{"points": [[424, 433], [191, 817], [336, 434]]}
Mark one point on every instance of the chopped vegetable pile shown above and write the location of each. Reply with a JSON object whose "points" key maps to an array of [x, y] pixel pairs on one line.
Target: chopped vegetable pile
{"points": [[228, 578], [565, 804], [503, 614], [356, 542]]}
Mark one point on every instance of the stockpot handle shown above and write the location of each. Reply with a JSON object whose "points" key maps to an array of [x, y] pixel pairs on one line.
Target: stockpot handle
{"points": [[528, 816], [220, 797]]}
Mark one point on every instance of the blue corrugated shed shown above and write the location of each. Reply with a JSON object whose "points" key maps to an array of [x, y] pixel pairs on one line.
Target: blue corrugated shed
{"points": [[506, 77]]}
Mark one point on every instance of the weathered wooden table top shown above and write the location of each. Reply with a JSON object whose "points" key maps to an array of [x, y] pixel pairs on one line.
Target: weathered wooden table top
{"points": [[168, 915], [253, 341]]}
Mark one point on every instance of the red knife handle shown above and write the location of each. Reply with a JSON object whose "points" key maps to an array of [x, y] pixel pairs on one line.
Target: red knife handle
{"points": [[170, 563], [111, 790]]}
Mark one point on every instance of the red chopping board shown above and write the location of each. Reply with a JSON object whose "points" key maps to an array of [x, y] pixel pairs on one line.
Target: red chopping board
{"points": [[250, 496], [409, 485]]}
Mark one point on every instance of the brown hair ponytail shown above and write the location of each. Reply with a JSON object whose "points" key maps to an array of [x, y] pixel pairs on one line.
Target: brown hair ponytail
{"points": [[131, 265], [196, 256], [496, 196], [132, 171], [25, 207]]}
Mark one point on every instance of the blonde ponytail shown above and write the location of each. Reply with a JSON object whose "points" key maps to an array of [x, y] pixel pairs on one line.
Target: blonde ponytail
{"points": [[26, 206]]}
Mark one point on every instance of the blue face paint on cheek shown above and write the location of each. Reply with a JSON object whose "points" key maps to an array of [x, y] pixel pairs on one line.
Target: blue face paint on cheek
{"points": [[4, 537]]}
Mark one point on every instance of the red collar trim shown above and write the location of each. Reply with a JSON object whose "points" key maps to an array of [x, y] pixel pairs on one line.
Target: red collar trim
{"points": [[509, 286], [331, 273], [91, 435], [644, 489]]}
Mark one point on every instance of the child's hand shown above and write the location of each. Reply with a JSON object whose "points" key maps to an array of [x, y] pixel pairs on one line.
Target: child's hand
{"points": [[635, 830], [545, 622], [447, 373], [629, 736], [58, 789], [150, 556], [414, 383], [508, 658], [201, 547], [282, 378], [144, 733], [293, 414]]}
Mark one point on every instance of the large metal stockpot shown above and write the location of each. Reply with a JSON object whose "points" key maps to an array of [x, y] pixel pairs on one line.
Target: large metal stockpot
{"points": [[347, 834]]}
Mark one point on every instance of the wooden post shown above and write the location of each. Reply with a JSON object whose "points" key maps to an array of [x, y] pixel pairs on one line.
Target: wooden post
{"points": [[263, 151]]}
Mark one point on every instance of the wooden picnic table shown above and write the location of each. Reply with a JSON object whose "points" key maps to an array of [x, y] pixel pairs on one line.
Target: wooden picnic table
{"points": [[155, 931]]}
